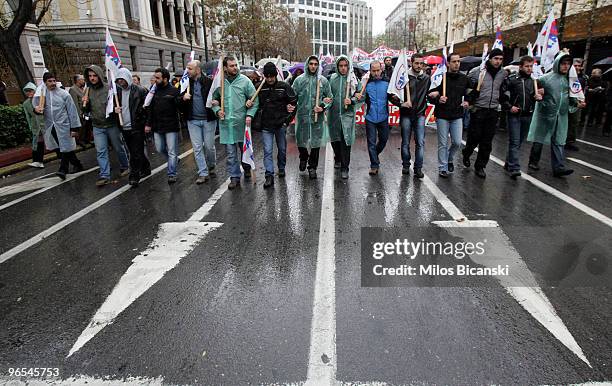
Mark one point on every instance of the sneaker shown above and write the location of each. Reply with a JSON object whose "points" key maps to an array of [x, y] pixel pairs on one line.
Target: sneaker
{"points": [[418, 173], [405, 170], [451, 167], [533, 166], [562, 172], [302, 165], [312, 173], [38, 165], [515, 174], [134, 181], [480, 172], [124, 172], [373, 171], [102, 181], [172, 179], [466, 161], [281, 173], [269, 182], [201, 179], [337, 165], [344, 174], [443, 173], [61, 174], [234, 183]]}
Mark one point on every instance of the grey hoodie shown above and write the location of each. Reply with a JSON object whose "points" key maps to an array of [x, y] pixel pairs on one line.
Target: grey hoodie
{"points": [[125, 74]]}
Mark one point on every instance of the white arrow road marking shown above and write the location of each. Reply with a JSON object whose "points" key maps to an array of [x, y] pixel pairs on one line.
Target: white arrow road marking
{"points": [[81, 213], [589, 165], [520, 284], [173, 242], [594, 144], [322, 361], [40, 183]]}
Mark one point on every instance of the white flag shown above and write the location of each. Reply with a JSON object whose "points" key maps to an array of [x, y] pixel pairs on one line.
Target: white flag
{"points": [[185, 77], [543, 35], [485, 56], [216, 83], [438, 75], [150, 95], [247, 148], [451, 49], [113, 64], [575, 86], [399, 78]]}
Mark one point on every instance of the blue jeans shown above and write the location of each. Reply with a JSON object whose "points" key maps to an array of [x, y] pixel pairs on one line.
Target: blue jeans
{"points": [[374, 130], [281, 144], [101, 137], [167, 144], [518, 128], [234, 159], [202, 134], [446, 155], [416, 125]]}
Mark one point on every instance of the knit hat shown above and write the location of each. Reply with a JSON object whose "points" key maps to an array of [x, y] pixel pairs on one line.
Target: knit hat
{"points": [[269, 69], [29, 86], [496, 52]]}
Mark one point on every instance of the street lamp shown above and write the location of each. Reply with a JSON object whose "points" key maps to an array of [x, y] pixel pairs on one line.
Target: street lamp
{"points": [[189, 28]]}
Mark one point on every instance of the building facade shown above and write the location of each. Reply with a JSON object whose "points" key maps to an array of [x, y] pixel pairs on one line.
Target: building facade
{"points": [[400, 25], [147, 33], [335, 26]]}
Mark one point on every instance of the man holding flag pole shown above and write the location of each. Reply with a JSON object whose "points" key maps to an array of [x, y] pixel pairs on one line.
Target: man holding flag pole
{"points": [[451, 99], [409, 88], [232, 104], [201, 120]]}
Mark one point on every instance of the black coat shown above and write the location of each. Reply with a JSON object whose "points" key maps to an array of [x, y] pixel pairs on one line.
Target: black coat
{"points": [[187, 106], [163, 114], [457, 90], [273, 101], [137, 111], [520, 92], [419, 88]]}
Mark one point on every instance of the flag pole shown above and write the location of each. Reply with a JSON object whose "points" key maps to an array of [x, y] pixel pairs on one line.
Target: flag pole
{"points": [[346, 94], [118, 105], [43, 96], [257, 91], [444, 84], [480, 80], [222, 75], [316, 117], [86, 95]]}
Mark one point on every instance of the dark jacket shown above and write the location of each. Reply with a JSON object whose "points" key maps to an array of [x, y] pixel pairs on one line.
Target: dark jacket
{"points": [[273, 101], [458, 88], [187, 106], [419, 88], [98, 96], [138, 113], [388, 73], [520, 92], [163, 114]]}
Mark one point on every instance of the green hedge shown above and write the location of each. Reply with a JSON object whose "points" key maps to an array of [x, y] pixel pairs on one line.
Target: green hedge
{"points": [[14, 130]]}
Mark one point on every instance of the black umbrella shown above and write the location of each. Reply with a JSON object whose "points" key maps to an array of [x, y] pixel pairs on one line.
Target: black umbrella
{"points": [[608, 74], [604, 62], [469, 62], [209, 67]]}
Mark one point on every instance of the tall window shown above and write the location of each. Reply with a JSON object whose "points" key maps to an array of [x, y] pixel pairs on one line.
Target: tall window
{"points": [[324, 25], [161, 58], [133, 56], [317, 29]]}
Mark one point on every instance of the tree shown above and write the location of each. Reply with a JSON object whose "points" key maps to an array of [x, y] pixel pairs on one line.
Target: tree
{"points": [[12, 24]]}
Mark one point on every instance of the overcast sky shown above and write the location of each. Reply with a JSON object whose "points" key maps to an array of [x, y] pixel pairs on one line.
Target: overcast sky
{"points": [[381, 10]]}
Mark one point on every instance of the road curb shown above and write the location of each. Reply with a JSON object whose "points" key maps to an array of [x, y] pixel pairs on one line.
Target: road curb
{"points": [[23, 165]]}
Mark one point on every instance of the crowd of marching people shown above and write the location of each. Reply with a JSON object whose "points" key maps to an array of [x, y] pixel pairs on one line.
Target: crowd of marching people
{"points": [[323, 111]]}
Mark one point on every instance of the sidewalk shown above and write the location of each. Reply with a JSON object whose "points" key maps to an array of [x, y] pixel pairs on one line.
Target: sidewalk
{"points": [[17, 159]]}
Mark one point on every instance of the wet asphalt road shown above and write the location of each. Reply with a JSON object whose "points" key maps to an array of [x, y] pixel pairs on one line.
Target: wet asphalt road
{"points": [[238, 308]]}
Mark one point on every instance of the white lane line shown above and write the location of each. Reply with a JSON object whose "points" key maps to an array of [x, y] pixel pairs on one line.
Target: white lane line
{"points": [[562, 196], [69, 220], [521, 284], [589, 165], [80, 380], [50, 183], [322, 361], [174, 240], [594, 144]]}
